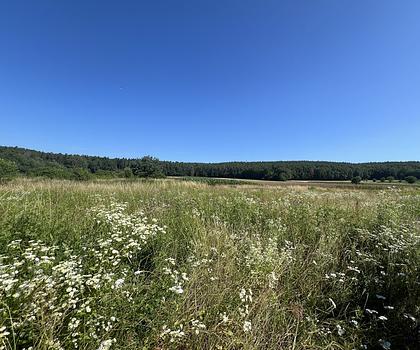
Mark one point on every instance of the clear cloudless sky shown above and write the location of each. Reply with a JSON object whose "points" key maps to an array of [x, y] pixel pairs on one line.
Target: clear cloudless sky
{"points": [[212, 80]]}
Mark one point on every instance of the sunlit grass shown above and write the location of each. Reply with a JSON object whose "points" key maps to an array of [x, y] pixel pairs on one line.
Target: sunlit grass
{"points": [[186, 265]]}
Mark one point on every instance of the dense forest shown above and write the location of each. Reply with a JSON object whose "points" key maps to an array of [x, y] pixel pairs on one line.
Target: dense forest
{"points": [[56, 165]]}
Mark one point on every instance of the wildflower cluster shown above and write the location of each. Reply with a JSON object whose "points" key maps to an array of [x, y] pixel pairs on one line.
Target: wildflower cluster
{"points": [[55, 294], [379, 270], [245, 297], [177, 278]]}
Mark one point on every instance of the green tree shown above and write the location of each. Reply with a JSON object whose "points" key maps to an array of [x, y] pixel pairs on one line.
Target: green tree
{"points": [[148, 167], [283, 176], [82, 174], [128, 172], [35, 163], [411, 179], [390, 179], [8, 169], [52, 172], [356, 180]]}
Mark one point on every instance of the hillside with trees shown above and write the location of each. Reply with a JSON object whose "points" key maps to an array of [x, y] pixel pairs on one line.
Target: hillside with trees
{"points": [[56, 165]]}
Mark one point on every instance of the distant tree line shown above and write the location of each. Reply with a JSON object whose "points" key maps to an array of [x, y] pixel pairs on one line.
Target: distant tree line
{"points": [[56, 165], [295, 170]]}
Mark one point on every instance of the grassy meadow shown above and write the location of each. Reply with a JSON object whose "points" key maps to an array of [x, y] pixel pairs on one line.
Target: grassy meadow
{"points": [[169, 264]]}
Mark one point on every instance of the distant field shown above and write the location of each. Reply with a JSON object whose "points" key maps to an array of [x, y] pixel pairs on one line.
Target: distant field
{"points": [[170, 264], [308, 183]]}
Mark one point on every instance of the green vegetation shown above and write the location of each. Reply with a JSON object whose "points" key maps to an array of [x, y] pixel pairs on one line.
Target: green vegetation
{"points": [[63, 166], [411, 179], [128, 173], [164, 264], [356, 180], [8, 169], [213, 182], [148, 167]]}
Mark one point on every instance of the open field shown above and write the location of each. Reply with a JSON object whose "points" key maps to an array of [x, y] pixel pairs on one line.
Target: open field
{"points": [[308, 183], [169, 264]]}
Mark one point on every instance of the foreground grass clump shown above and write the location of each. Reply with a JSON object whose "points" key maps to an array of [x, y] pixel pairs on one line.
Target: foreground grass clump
{"points": [[184, 265]]}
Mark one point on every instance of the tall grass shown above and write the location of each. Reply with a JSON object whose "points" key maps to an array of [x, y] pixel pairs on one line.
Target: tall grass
{"points": [[184, 265]]}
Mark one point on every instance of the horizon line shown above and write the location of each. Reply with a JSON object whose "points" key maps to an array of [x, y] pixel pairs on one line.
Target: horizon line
{"points": [[209, 162]]}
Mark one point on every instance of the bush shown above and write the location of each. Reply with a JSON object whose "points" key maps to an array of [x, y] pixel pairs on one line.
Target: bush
{"points": [[411, 179], [81, 174], [356, 180], [8, 169], [128, 173], [52, 172], [390, 179]]}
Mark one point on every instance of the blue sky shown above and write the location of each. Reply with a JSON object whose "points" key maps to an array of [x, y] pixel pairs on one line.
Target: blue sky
{"points": [[213, 80]]}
